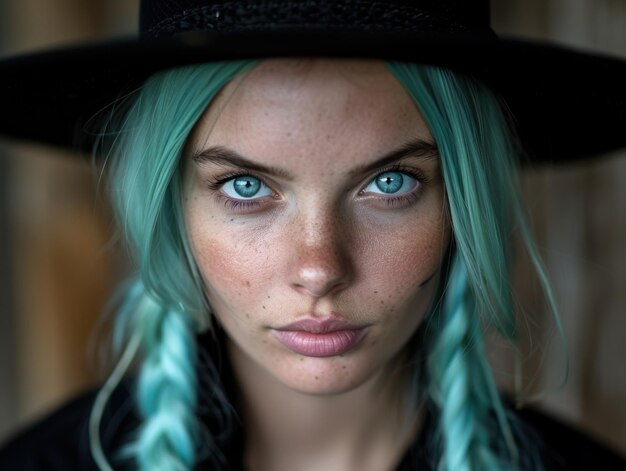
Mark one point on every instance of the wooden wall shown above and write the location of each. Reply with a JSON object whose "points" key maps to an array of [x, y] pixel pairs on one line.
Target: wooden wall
{"points": [[579, 216]]}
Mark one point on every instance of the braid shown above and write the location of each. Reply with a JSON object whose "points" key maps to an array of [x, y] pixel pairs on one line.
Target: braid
{"points": [[166, 390], [455, 367]]}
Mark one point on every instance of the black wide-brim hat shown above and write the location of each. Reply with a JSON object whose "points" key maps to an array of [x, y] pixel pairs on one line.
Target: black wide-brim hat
{"points": [[566, 104]]}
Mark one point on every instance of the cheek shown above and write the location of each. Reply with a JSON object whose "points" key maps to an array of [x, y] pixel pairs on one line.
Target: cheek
{"points": [[404, 274], [403, 289], [400, 260], [231, 259], [230, 270]]}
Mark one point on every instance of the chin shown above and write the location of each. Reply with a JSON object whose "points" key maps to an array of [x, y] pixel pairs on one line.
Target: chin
{"points": [[323, 376]]}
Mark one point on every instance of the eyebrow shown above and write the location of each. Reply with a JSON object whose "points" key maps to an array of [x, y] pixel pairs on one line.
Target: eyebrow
{"points": [[414, 148], [221, 155]]}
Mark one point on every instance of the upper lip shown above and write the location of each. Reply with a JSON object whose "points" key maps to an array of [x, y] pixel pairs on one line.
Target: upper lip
{"points": [[318, 326]]}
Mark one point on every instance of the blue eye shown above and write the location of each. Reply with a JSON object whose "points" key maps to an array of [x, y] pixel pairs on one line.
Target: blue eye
{"points": [[391, 183], [245, 187]]}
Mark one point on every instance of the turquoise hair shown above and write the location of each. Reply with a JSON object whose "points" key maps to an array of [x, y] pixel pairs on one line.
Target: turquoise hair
{"points": [[479, 155], [166, 307]]}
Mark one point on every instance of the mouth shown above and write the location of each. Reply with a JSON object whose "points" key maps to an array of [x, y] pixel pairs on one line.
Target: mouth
{"points": [[320, 338]]}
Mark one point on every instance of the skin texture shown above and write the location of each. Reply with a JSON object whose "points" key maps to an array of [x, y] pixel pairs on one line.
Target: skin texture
{"points": [[320, 242]]}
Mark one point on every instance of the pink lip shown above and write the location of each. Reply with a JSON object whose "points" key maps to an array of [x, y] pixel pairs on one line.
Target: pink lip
{"points": [[315, 338]]}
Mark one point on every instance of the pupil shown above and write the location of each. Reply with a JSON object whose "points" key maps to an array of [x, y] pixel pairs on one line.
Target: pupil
{"points": [[246, 186], [389, 182]]}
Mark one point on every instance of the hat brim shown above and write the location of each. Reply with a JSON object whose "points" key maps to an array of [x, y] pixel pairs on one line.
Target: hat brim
{"points": [[567, 104]]}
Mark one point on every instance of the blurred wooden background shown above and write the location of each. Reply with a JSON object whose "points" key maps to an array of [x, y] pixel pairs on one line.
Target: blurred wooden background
{"points": [[57, 267], [57, 271]]}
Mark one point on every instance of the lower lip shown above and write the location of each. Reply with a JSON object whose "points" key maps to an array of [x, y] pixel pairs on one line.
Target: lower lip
{"points": [[320, 345]]}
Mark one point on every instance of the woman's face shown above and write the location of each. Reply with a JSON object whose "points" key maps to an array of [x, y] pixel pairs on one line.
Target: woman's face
{"points": [[316, 214]]}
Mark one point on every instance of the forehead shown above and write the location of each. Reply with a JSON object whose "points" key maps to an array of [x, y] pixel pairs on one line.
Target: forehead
{"points": [[307, 108]]}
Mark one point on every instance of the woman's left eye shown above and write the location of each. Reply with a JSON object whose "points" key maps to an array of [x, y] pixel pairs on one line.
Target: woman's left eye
{"points": [[392, 183], [245, 187]]}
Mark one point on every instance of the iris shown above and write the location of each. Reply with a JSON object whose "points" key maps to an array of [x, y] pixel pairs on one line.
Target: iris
{"points": [[247, 186], [389, 182]]}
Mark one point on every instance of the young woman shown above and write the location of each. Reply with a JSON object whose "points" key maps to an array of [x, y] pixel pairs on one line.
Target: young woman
{"points": [[321, 243]]}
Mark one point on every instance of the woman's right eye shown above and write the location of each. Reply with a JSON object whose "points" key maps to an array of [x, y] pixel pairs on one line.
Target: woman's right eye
{"points": [[245, 187]]}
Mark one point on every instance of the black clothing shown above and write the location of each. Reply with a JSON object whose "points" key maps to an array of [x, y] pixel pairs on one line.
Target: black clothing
{"points": [[61, 441]]}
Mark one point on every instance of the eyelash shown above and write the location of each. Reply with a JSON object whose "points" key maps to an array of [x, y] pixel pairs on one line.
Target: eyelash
{"points": [[405, 199]]}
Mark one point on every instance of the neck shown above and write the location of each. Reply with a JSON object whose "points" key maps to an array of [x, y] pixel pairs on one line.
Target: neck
{"points": [[366, 428]]}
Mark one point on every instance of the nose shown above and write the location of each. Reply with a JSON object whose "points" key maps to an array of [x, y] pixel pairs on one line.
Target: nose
{"points": [[321, 264]]}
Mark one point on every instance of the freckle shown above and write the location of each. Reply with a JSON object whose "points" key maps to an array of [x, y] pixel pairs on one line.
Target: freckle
{"points": [[382, 302], [375, 292], [268, 297], [247, 283], [263, 306], [317, 377], [343, 367]]}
